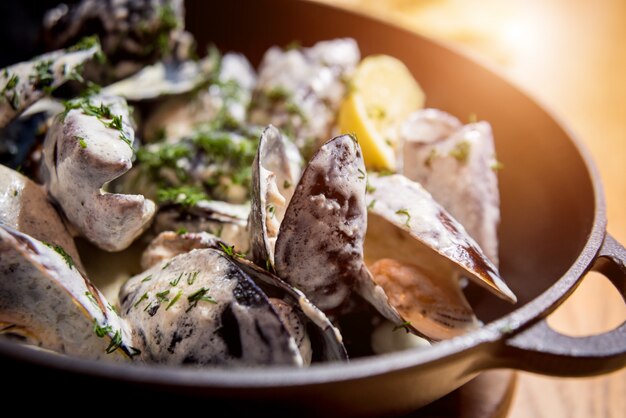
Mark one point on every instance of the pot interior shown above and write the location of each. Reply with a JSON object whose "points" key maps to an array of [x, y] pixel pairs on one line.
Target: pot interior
{"points": [[547, 193]]}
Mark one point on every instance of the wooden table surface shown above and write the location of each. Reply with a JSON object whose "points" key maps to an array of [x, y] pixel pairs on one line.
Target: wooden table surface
{"points": [[571, 55]]}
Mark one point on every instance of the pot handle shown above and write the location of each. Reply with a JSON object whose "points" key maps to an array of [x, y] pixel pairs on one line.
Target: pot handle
{"points": [[540, 349]]}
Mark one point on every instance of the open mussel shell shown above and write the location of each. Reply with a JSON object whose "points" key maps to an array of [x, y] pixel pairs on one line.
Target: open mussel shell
{"points": [[24, 83], [433, 305], [46, 302], [327, 344], [169, 244], [162, 79], [457, 165], [201, 308], [275, 173], [319, 249], [406, 224]]}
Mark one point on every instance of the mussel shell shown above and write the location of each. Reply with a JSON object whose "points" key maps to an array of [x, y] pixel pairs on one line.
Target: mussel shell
{"points": [[52, 305], [406, 224], [232, 323], [319, 249], [275, 173]]}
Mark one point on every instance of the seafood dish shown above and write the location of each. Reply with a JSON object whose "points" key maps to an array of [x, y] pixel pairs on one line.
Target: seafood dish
{"points": [[310, 209]]}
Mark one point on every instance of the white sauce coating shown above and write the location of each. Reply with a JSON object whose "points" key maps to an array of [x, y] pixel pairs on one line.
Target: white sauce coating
{"points": [[80, 155], [456, 165], [52, 304], [63, 64], [234, 325]]}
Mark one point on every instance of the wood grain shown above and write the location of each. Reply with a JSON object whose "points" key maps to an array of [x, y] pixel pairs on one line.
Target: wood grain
{"points": [[571, 56]]}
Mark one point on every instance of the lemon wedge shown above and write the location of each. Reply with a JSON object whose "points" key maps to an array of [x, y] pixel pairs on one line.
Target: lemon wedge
{"points": [[382, 95]]}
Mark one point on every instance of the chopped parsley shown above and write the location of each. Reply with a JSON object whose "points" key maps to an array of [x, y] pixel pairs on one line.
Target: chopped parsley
{"points": [[199, 296], [496, 165], [187, 196], [191, 277], [162, 296], [43, 77], [461, 151], [116, 342], [101, 331], [11, 83], [405, 212], [177, 280], [59, 250], [174, 299], [141, 299], [405, 325], [81, 142]]}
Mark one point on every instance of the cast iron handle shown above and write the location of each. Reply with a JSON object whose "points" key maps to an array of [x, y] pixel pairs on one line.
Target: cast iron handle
{"points": [[540, 349]]}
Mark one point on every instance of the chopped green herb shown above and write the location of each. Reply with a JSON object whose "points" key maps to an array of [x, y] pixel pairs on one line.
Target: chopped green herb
{"points": [[141, 299], [187, 196], [101, 331], [162, 296], [191, 277], [286, 184], [15, 193], [147, 278], [181, 231], [87, 42], [405, 325], [115, 343], [92, 299], [496, 165], [406, 213], [11, 83], [174, 299], [369, 188], [371, 205], [43, 77], [295, 44], [116, 123], [461, 151], [166, 265], [361, 174], [277, 94], [228, 250], [199, 296], [81, 142], [113, 308], [385, 173], [177, 280], [59, 250]]}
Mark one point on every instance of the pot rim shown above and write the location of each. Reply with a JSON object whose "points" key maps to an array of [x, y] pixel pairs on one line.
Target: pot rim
{"points": [[369, 367]]}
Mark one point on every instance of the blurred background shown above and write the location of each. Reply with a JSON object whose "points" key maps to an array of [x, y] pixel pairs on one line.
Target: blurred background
{"points": [[571, 56]]}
